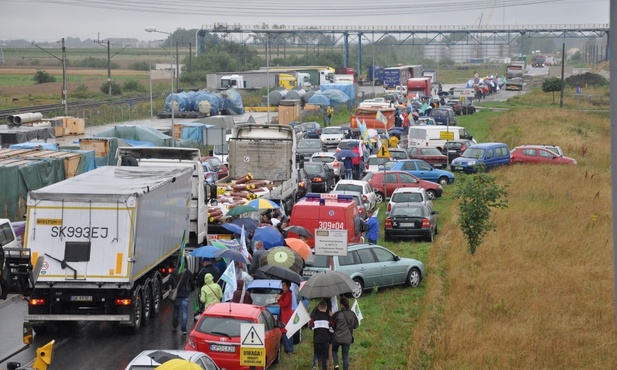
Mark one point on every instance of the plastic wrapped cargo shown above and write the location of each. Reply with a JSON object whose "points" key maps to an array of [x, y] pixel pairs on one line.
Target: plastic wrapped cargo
{"points": [[338, 93], [216, 102], [178, 100], [319, 99], [232, 102]]}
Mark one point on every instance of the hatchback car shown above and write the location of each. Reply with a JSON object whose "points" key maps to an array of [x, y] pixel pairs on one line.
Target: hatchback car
{"points": [[370, 266], [304, 184], [429, 155], [392, 180], [151, 359], [217, 165], [332, 135], [308, 147], [411, 221], [398, 154], [362, 187], [454, 148], [425, 171], [538, 155], [332, 162], [217, 333], [322, 176], [486, 155], [313, 129], [376, 163], [407, 195]]}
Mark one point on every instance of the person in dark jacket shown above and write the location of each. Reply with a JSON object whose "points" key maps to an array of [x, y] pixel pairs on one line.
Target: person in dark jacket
{"points": [[321, 326], [183, 280], [344, 322], [241, 295], [348, 168]]}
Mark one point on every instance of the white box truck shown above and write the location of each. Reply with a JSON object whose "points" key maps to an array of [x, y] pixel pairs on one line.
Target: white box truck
{"points": [[109, 237]]}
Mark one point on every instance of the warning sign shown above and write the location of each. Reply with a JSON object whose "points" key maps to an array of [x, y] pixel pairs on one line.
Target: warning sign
{"points": [[383, 152], [252, 349], [446, 135]]}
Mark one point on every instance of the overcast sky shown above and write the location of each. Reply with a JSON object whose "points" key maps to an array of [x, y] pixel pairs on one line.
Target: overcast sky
{"points": [[51, 20]]}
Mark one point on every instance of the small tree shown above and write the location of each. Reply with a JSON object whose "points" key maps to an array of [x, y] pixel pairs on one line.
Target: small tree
{"points": [[552, 84], [41, 77], [132, 85], [116, 89], [478, 195]]}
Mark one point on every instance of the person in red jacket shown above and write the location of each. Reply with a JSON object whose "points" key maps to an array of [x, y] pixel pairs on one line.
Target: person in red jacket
{"points": [[356, 162], [285, 301]]}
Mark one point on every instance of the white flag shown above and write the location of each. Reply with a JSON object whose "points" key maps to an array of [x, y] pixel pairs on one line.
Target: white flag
{"points": [[244, 250], [229, 277], [356, 309], [334, 302], [299, 318]]}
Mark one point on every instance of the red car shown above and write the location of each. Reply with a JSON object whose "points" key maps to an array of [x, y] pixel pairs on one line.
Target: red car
{"points": [[217, 333], [219, 167], [429, 155], [538, 154], [399, 179]]}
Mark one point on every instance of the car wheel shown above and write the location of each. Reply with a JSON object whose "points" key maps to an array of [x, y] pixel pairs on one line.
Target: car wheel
{"points": [[443, 181], [431, 194], [414, 278], [379, 198], [357, 292], [430, 237]]}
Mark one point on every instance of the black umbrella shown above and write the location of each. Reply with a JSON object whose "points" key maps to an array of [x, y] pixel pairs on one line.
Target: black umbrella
{"points": [[327, 284], [299, 230], [248, 223], [281, 273]]}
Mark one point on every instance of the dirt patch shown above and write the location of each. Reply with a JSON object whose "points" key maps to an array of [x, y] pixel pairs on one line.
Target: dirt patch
{"points": [[587, 79]]}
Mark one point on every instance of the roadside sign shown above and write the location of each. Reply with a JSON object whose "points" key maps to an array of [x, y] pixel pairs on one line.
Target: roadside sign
{"points": [[446, 135], [383, 152], [467, 92], [252, 345], [330, 242]]}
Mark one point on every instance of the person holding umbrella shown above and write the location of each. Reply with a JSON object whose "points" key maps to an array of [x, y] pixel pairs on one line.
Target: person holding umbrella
{"points": [[284, 302], [348, 168], [321, 325]]}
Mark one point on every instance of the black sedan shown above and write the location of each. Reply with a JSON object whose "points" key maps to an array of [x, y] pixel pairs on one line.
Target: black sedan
{"points": [[411, 221], [308, 147], [313, 129], [454, 148], [322, 176], [304, 184]]}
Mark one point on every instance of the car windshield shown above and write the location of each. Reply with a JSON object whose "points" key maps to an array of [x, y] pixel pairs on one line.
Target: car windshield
{"points": [[221, 325], [308, 144], [323, 159], [439, 113], [331, 130], [310, 125], [376, 161], [264, 296], [397, 154], [349, 187], [406, 211], [474, 153], [312, 169], [320, 261], [407, 197], [389, 165], [215, 162]]}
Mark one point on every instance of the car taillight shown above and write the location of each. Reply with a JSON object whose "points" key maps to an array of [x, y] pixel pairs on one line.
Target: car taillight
{"points": [[366, 166], [425, 223], [36, 301], [191, 342], [301, 184], [388, 223], [389, 207], [317, 179], [463, 147], [361, 211], [123, 302]]}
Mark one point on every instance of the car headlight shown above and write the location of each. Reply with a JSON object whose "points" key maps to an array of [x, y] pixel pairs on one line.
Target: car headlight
{"points": [[471, 163]]}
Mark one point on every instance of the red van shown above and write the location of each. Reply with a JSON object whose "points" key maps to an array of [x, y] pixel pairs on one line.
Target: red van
{"points": [[327, 211]]}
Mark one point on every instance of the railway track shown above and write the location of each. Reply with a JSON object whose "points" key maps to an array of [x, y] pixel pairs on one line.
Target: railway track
{"points": [[50, 108]]}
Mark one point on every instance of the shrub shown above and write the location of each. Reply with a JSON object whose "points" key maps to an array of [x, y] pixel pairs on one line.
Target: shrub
{"points": [[42, 77], [139, 66], [132, 85], [81, 92], [115, 88], [552, 84]]}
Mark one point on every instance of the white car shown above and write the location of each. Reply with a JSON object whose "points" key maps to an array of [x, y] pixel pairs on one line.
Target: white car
{"points": [[330, 160], [362, 187], [332, 135], [374, 162], [151, 359], [415, 195]]}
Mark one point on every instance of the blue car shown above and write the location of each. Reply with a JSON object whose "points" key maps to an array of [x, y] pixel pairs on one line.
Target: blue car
{"points": [[486, 155], [425, 171]]}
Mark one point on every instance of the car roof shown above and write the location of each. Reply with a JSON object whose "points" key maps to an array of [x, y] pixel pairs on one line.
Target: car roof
{"points": [[265, 283], [226, 309], [409, 205], [160, 356], [323, 154], [353, 182], [486, 145], [409, 190]]}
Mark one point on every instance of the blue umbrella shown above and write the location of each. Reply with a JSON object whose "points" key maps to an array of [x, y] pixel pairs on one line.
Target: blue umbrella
{"points": [[270, 236], [233, 228], [205, 251], [248, 223], [231, 254], [394, 129], [346, 153]]}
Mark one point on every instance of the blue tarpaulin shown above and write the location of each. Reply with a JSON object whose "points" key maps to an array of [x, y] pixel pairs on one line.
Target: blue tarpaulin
{"points": [[35, 145], [194, 131], [347, 89]]}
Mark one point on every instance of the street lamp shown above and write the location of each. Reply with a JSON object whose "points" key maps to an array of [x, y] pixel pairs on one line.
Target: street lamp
{"points": [[171, 69]]}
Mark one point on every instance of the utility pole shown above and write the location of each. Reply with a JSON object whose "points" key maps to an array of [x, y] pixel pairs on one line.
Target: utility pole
{"points": [[191, 58], [64, 87], [109, 56], [177, 68]]}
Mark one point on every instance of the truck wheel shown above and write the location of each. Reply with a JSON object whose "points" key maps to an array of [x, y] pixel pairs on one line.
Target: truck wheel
{"points": [[156, 294], [146, 303], [136, 318]]}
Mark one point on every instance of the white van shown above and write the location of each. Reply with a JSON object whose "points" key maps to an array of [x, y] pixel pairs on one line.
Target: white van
{"points": [[431, 136]]}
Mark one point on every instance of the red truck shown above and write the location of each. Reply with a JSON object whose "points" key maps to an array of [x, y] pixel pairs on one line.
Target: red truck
{"points": [[347, 71], [369, 115], [419, 86]]}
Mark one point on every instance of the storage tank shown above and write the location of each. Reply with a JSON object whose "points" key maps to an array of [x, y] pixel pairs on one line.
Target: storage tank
{"points": [[295, 94], [276, 96]]}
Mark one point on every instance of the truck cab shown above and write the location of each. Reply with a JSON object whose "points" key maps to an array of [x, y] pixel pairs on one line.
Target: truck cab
{"points": [[233, 81]]}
